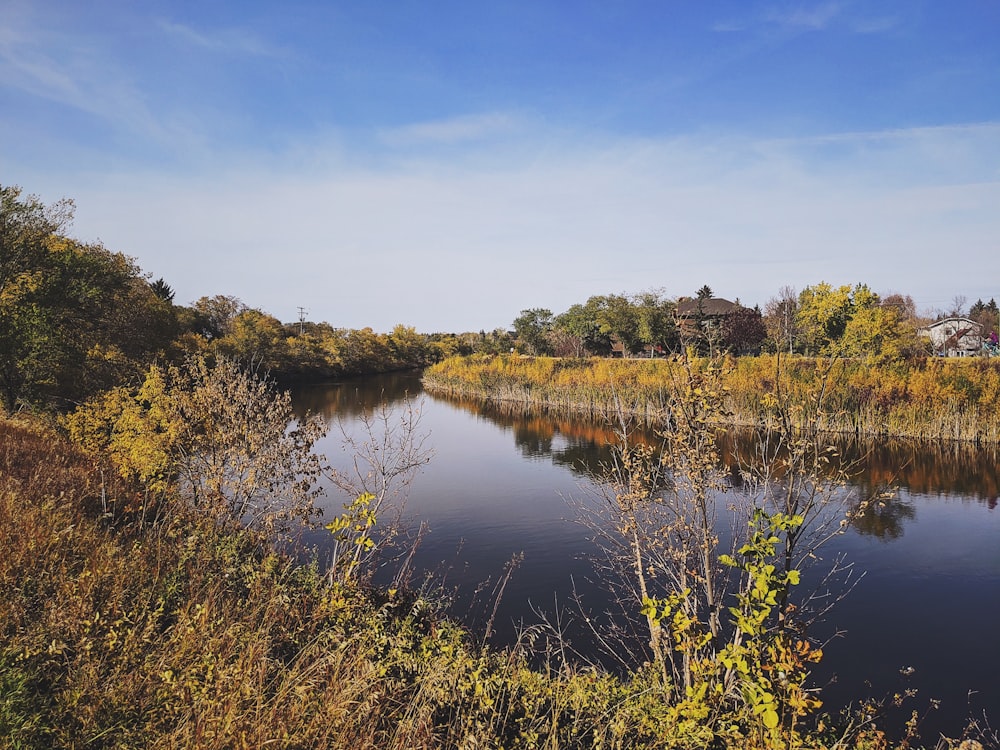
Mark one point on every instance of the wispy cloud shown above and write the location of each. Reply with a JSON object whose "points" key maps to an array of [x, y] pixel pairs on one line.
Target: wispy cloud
{"points": [[233, 41], [799, 19], [728, 27], [469, 245], [462, 129], [814, 18], [57, 67]]}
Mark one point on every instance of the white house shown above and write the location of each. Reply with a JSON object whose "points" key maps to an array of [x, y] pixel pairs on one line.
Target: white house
{"points": [[954, 337]]}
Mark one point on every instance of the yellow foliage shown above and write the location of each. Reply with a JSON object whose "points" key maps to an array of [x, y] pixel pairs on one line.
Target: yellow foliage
{"points": [[933, 398]]}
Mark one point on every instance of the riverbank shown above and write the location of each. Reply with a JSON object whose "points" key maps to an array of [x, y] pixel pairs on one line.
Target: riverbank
{"points": [[930, 399], [129, 623]]}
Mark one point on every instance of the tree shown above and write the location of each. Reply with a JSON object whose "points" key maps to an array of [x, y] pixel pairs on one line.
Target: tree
{"points": [[26, 225], [220, 437], [74, 317], [823, 315], [856, 322], [532, 328], [705, 292], [727, 630], [163, 290], [656, 327], [579, 332], [617, 320], [872, 331], [212, 316], [903, 304], [254, 336], [957, 308], [409, 348], [780, 318], [987, 315], [389, 450], [744, 330]]}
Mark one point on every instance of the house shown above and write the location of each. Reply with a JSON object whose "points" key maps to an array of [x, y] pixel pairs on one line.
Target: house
{"points": [[954, 337], [698, 315]]}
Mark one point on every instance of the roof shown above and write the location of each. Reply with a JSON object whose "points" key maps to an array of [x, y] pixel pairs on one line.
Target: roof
{"points": [[713, 307], [953, 321]]}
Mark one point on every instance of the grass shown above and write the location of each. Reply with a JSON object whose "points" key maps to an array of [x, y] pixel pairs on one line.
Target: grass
{"points": [[935, 399]]}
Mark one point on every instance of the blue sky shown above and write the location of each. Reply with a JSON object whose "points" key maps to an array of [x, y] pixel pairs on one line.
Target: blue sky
{"points": [[448, 164]]}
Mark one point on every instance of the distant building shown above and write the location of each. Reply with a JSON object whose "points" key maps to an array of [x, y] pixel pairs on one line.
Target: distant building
{"points": [[698, 315], [954, 337]]}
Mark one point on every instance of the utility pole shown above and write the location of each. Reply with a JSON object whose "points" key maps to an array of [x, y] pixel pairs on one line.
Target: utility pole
{"points": [[302, 319]]}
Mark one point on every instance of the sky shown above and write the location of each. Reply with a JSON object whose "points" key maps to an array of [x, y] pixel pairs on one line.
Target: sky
{"points": [[446, 164]]}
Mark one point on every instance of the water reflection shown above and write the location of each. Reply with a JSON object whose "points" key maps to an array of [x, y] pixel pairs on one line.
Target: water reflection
{"points": [[919, 467], [928, 468], [348, 398]]}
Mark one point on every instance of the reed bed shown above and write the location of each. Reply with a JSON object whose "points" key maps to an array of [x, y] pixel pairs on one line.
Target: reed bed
{"points": [[930, 399]]}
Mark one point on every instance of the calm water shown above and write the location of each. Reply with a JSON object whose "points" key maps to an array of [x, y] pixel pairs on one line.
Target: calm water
{"points": [[500, 485]]}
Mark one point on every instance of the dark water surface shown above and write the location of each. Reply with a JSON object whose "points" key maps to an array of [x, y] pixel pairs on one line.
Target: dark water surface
{"points": [[500, 485]]}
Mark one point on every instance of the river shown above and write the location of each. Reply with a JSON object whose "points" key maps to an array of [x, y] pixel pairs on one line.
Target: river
{"points": [[924, 616]]}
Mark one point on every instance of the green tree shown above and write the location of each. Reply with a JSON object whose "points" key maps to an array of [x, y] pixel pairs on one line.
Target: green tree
{"points": [[26, 225], [163, 290], [74, 317], [578, 331], [212, 317], [987, 315], [617, 319], [656, 326], [497, 341], [532, 328]]}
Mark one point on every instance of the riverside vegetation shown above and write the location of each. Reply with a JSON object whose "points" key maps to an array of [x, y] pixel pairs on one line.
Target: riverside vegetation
{"points": [[927, 398], [147, 604]]}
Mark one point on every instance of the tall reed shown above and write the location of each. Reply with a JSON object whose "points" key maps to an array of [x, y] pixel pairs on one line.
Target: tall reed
{"points": [[940, 399]]}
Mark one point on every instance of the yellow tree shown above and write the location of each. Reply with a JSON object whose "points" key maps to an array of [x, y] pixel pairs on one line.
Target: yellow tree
{"points": [[221, 438], [255, 336], [822, 316]]}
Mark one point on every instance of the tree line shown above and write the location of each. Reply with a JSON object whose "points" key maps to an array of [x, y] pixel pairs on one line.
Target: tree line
{"points": [[77, 319], [821, 320]]}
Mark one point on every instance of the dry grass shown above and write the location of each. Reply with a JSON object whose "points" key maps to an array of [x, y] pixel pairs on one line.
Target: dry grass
{"points": [[928, 399]]}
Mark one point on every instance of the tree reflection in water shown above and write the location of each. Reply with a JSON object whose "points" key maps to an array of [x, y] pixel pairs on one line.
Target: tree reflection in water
{"points": [[920, 467]]}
